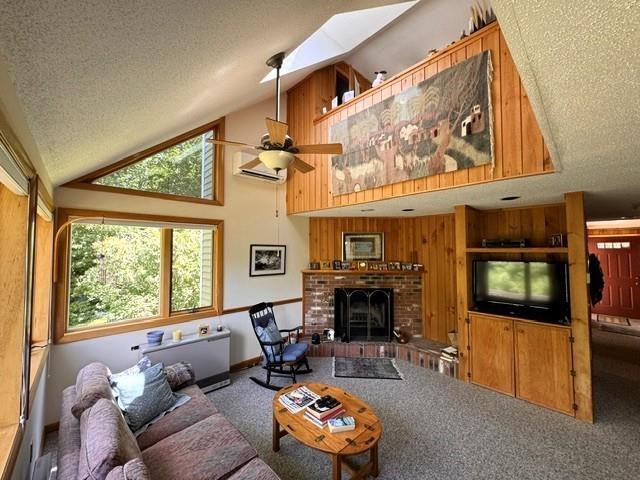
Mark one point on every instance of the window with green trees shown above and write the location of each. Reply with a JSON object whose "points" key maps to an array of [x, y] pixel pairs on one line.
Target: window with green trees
{"points": [[116, 271], [184, 169]]}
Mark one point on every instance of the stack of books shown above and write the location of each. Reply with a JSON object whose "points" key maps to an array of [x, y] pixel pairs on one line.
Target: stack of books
{"points": [[319, 416], [298, 400], [341, 424], [449, 353]]}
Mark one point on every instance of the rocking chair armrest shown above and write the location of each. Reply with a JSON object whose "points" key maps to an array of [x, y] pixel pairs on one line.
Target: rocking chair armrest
{"points": [[299, 327], [272, 344]]}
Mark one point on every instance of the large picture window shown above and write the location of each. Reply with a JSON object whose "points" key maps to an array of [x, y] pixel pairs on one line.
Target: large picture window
{"points": [[186, 168], [118, 273]]}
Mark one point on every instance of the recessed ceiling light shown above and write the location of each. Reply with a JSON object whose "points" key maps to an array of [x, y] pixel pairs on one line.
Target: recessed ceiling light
{"points": [[408, 209], [367, 210], [508, 199]]}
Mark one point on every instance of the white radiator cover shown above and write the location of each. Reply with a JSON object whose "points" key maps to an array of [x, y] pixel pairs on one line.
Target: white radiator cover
{"points": [[208, 354]]}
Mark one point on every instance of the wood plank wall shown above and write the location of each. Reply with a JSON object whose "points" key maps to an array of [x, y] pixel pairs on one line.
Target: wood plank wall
{"points": [[429, 240], [519, 146]]}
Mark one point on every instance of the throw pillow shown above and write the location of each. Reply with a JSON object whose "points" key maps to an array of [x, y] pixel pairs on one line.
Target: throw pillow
{"points": [[180, 375], [92, 384], [141, 366], [105, 441], [270, 333], [146, 396], [132, 470]]}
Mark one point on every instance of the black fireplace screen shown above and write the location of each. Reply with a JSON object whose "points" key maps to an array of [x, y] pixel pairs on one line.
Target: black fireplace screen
{"points": [[364, 313]]}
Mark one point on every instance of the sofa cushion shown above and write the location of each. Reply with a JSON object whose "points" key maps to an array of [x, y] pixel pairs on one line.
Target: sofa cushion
{"points": [[68, 437], [92, 384], [179, 375], [210, 449], [196, 409], [256, 469], [140, 366], [144, 397], [132, 470], [105, 441]]}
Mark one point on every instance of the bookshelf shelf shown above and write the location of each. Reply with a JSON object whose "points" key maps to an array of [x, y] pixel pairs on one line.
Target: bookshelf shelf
{"points": [[518, 250]]}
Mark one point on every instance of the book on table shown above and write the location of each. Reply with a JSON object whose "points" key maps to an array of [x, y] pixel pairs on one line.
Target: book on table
{"points": [[321, 412], [341, 424], [322, 423], [298, 399]]}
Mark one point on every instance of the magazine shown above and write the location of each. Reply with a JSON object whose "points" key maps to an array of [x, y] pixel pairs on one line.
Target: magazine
{"points": [[298, 399], [341, 424]]}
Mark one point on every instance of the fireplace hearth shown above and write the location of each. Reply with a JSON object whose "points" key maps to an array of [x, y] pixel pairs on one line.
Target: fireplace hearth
{"points": [[363, 313]]}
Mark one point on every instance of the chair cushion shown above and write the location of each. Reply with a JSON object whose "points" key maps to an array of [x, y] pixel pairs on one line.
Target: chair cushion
{"points": [[144, 397], [105, 441], [294, 352], [208, 450], [92, 384], [179, 375], [196, 409], [132, 470], [256, 469]]}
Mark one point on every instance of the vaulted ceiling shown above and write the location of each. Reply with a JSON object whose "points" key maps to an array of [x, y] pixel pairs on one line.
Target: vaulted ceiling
{"points": [[99, 80]]}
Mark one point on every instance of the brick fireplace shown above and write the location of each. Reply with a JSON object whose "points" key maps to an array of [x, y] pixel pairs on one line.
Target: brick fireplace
{"points": [[319, 289]]}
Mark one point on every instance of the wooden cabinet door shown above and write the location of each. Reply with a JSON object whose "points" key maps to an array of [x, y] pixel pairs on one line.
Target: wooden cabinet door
{"points": [[543, 365], [492, 363]]}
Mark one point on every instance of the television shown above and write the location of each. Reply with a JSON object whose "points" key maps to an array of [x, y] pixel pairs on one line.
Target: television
{"points": [[530, 290]]}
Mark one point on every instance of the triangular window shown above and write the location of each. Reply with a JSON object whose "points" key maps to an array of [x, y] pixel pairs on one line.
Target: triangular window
{"points": [[186, 166]]}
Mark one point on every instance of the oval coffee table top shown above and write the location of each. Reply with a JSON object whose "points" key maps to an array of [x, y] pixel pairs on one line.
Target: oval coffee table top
{"points": [[365, 435]]}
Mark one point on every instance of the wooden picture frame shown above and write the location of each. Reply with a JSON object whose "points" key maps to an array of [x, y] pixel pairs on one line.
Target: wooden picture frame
{"points": [[362, 246], [267, 260]]}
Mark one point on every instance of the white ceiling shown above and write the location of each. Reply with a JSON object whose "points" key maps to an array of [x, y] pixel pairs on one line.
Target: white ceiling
{"points": [[100, 80]]}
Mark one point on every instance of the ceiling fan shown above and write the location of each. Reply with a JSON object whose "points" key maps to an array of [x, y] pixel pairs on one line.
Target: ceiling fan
{"points": [[277, 149]]}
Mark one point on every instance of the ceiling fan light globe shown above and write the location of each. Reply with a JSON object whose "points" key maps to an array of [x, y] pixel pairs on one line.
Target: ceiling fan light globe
{"points": [[276, 159]]}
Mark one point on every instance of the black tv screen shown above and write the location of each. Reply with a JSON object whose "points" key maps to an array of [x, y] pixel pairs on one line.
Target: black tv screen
{"points": [[537, 290]]}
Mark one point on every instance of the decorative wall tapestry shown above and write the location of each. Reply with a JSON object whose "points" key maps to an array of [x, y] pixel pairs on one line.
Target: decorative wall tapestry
{"points": [[439, 125]]}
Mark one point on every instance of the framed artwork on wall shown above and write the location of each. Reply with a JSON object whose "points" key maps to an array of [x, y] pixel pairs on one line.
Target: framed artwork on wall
{"points": [[362, 246], [267, 260]]}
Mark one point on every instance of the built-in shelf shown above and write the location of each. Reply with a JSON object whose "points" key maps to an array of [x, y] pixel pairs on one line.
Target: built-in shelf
{"points": [[363, 272], [517, 250]]}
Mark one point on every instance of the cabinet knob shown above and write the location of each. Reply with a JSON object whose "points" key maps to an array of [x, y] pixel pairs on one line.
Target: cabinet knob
{"points": [[506, 329]]}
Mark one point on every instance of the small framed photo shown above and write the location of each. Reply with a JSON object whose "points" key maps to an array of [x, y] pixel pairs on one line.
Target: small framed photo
{"points": [[362, 246], [345, 265], [204, 329], [337, 265], [362, 265], [418, 267], [383, 266], [267, 260], [394, 265], [314, 265], [557, 240], [326, 265], [374, 266]]}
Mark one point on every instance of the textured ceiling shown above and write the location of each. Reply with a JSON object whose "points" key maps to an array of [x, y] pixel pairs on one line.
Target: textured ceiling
{"points": [[102, 79]]}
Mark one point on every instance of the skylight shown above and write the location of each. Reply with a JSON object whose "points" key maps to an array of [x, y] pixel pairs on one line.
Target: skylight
{"points": [[339, 35]]}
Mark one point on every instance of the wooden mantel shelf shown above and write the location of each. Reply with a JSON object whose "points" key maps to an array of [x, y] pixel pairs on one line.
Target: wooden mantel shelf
{"points": [[517, 250], [362, 272]]}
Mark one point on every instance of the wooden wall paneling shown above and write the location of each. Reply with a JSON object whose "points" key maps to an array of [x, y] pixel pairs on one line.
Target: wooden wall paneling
{"points": [[580, 310], [42, 282], [492, 43], [460, 177], [532, 142], [511, 119], [13, 241]]}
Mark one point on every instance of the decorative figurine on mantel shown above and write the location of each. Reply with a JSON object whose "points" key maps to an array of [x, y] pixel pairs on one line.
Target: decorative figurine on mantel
{"points": [[380, 78]]}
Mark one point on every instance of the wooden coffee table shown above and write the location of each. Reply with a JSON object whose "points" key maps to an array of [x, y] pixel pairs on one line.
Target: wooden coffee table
{"points": [[336, 445]]}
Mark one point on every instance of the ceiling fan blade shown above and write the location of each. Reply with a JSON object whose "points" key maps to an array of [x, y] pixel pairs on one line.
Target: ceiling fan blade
{"points": [[229, 143], [301, 166], [327, 148], [250, 164], [277, 130]]}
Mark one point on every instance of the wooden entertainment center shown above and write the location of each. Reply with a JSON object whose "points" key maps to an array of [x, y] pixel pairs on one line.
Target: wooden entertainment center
{"points": [[545, 364]]}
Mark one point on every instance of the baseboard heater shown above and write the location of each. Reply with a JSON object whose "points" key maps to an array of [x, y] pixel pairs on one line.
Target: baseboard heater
{"points": [[209, 355]]}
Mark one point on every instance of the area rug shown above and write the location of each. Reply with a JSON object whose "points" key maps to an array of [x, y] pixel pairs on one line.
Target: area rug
{"points": [[383, 368]]}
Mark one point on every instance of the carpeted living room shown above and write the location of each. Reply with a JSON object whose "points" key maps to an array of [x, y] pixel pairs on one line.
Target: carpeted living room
{"points": [[306, 240]]}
